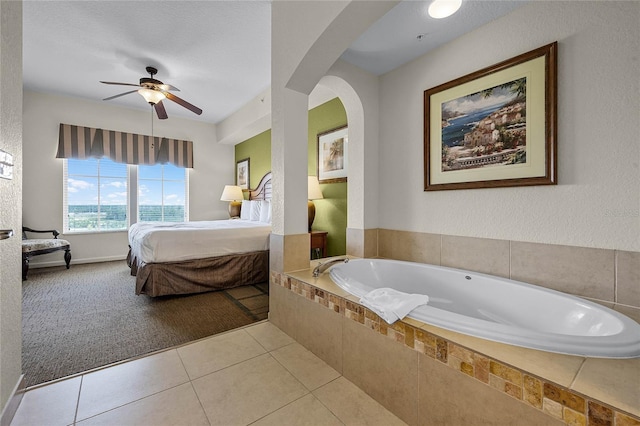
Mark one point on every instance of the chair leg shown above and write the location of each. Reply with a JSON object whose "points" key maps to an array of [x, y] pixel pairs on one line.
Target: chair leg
{"points": [[25, 267], [67, 257]]}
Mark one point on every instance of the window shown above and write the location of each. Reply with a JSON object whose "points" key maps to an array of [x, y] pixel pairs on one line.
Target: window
{"points": [[162, 193], [96, 192], [95, 195]]}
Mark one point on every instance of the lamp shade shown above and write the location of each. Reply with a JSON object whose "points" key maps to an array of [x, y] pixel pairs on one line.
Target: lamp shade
{"points": [[313, 189], [151, 96], [231, 193]]}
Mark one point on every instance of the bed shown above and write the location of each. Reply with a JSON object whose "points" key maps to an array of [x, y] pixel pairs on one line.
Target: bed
{"points": [[171, 258]]}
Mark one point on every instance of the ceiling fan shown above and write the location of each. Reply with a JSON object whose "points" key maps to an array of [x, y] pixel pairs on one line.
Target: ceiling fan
{"points": [[154, 91]]}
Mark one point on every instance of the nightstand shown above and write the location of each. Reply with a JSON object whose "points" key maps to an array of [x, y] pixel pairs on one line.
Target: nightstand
{"points": [[318, 244]]}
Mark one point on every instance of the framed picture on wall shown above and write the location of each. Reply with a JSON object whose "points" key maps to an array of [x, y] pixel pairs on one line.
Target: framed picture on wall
{"points": [[242, 173], [332, 155], [495, 127]]}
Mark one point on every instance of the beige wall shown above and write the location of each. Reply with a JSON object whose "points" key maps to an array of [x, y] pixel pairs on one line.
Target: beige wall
{"points": [[10, 198], [597, 202]]}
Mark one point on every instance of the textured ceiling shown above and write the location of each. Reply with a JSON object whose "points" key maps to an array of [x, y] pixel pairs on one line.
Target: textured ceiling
{"points": [[218, 53]]}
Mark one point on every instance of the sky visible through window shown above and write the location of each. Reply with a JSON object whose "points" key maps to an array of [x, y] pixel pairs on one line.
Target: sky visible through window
{"points": [[150, 185], [97, 194], [83, 188]]}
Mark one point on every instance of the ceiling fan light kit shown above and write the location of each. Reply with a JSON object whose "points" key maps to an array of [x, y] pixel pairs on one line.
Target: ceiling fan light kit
{"points": [[154, 92], [152, 96]]}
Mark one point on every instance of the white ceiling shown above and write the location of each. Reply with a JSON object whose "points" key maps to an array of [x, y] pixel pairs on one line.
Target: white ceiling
{"points": [[393, 40], [218, 53]]}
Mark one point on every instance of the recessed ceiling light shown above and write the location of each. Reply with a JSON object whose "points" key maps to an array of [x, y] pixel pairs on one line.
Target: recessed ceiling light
{"points": [[442, 8]]}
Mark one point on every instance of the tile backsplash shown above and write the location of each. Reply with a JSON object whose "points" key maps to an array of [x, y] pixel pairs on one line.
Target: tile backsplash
{"points": [[600, 274]]}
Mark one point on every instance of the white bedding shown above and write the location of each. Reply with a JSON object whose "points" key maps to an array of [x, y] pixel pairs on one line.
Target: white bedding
{"points": [[153, 242]]}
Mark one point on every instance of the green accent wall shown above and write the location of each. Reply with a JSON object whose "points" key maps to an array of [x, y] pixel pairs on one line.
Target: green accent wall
{"points": [[258, 151], [331, 212]]}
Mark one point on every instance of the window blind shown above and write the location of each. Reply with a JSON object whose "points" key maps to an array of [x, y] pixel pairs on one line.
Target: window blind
{"points": [[81, 142]]}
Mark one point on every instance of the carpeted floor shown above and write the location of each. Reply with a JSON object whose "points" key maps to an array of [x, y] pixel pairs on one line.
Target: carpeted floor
{"points": [[89, 316]]}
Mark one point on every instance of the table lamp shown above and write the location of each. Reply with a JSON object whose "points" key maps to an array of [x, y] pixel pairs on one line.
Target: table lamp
{"points": [[233, 194], [313, 193]]}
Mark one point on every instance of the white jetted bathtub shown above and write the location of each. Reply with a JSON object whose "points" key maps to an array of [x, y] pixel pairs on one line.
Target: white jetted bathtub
{"points": [[499, 309]]}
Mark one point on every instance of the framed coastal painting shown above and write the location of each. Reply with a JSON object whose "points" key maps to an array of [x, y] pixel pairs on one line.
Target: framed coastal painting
{"points": [[242, 173], [332, 155], [495, 127]]}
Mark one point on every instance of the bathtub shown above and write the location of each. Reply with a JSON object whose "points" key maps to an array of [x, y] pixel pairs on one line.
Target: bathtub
{"points": [[498, 309]]}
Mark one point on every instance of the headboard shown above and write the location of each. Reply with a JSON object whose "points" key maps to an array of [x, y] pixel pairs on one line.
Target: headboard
{"points": [[263, 190]]}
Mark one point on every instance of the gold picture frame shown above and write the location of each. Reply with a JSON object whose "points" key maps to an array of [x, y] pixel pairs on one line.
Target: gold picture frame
{"points": [[496, 127]]}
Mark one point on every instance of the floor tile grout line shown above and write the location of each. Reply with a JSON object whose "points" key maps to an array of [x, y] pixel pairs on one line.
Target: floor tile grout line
{"points": [[228, 366], [325, 405], [200, 402], [291, 372], [289, 403], [75, 414], [134, 400]]}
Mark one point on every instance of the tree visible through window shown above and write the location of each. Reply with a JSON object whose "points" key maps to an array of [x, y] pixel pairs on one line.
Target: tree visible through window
{"points": [[162, 193], [95, 195]]}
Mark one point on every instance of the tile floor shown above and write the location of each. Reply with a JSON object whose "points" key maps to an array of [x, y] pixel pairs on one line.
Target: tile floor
{"points": [[255, 375]]}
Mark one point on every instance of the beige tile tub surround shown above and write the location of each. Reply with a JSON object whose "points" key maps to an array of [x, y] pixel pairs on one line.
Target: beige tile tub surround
{"points": [[598, 376], [577, 270], [628, 278], [289, 252], [476, 254], [557, 387], [390, 377], [439, 407], [362, 242], [600, 274], [409, 246]]}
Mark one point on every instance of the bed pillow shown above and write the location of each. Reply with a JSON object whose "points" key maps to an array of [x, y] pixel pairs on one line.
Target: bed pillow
{"points": [[245, 210], [256, 206], [265, 211]]}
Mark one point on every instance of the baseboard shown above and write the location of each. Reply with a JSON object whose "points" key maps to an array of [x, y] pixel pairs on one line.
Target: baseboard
{"points": [[13, 403], [34, 265]]}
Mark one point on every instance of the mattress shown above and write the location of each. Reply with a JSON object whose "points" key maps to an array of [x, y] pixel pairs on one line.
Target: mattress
{"points": [[156, 242]]}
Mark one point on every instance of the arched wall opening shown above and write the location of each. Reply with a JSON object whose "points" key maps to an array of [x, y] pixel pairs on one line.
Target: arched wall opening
{"points": [[362, 150], [301, 55]]}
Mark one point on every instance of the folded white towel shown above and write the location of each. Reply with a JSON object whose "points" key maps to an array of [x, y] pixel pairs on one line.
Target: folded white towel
{"points": [[392, 305]]}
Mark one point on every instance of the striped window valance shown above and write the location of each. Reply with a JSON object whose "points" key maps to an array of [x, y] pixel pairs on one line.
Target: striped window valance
{"points": [[130, 148]]}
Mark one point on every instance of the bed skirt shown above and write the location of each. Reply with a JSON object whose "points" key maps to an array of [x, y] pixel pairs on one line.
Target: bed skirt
{"points": [[200, 275]]}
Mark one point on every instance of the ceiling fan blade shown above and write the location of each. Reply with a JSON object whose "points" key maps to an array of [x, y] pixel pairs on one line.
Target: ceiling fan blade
{"points": [[167, 87], [117, 96], [184, 103], [120, 84], [162, 113]]}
